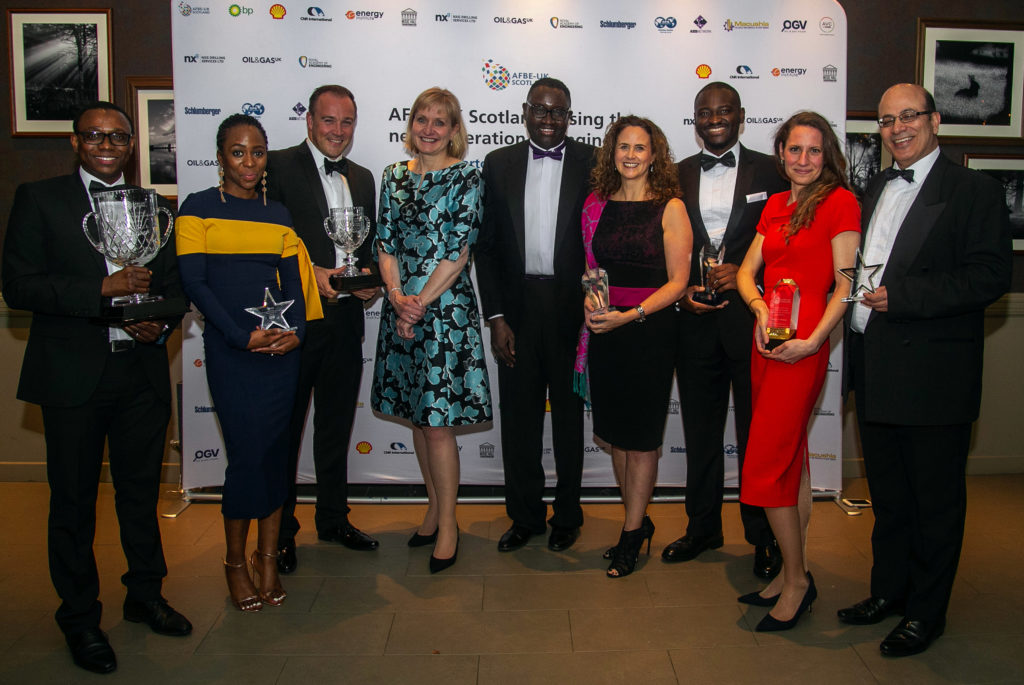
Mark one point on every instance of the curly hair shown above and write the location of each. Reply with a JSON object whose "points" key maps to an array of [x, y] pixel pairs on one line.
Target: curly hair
{"points": [[833, 170], [238, 120], [449, 104], [662, 179]]}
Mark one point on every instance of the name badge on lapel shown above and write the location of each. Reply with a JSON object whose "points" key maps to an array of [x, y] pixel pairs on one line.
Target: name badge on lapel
{"points": [[757, 197]]}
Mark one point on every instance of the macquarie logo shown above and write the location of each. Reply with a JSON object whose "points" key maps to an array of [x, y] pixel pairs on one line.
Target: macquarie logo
{"points": [[203, 111], [739, 24], [563, 23], [794, 26], [744, 72], [313, 63], [364, 15], [315, 14]]}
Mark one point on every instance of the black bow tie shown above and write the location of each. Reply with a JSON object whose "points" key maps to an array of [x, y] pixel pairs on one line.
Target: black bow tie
{"points": [[97, 187], [340, 167], [892, 172], [555, 154], [708, 162]]}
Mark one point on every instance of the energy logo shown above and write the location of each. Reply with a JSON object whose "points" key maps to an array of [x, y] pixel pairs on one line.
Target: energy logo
{"points": [[495, 76]]}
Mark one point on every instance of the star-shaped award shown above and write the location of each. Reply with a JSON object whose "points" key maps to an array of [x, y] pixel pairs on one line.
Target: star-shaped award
{"points": [[862, 276], [271, 313]]}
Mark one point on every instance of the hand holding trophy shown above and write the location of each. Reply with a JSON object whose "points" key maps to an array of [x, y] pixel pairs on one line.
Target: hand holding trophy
{"points": [[710, 257], [595, 288], [861, 277], [348, 227]]}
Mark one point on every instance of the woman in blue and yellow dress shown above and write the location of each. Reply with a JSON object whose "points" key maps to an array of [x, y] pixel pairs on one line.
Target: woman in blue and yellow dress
{"points": [[233, 246], [430, 367]]}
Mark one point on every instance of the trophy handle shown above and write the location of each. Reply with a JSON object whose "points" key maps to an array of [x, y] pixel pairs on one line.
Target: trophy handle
{"points": [[97, 244], [170, 224], [327, 226]]}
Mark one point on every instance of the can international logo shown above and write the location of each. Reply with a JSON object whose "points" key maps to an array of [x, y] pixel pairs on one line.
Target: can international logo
{"points": [[495, 76]]}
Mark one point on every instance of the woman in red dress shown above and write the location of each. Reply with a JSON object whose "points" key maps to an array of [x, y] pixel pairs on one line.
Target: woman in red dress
{"points": [[805, 235]]}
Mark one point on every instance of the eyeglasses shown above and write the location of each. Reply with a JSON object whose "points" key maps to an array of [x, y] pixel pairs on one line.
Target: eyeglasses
{"points": [[540, 111], [119, 138], [905, 117]]}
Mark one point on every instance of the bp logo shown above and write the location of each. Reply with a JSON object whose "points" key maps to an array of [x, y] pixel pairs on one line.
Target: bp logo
{"points": [[495, 76]]}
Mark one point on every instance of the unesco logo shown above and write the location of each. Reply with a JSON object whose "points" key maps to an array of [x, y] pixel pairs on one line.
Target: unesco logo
{"points": [[253, 109]]}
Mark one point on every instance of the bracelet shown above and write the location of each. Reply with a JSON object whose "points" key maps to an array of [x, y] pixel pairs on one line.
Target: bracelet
{"points": [[750, 305], [398, 288], [643, 315]]}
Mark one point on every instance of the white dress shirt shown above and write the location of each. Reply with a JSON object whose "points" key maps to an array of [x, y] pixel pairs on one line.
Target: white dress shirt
{"points": [[717, 187], [336, 191], [540, 205], [892, 208]]}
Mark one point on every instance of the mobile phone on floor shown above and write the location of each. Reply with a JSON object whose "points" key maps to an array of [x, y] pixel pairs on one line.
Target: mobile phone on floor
{"points": [[857, 502]]}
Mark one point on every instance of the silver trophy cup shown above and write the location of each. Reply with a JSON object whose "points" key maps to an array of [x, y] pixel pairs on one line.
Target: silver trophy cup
{"points": [[128, 231], [348, 228]]}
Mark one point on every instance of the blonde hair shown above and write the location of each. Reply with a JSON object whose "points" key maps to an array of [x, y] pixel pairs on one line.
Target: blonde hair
{"points": [[449, 104]]}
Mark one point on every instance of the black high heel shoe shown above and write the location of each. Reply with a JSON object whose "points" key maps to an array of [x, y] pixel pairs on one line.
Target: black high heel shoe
{"points": [[418, 540], [646, 525], [770, 624], [627, 552], [755, 599], [438, 565]]}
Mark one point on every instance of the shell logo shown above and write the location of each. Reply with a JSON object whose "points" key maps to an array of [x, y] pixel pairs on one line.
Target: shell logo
{"points": [[350, 14], [278, 11], [703, 71], [198, 363], [364, 447]]}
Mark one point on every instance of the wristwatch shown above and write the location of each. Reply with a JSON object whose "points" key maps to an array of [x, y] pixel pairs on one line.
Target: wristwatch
{"points": [[643, 315]]}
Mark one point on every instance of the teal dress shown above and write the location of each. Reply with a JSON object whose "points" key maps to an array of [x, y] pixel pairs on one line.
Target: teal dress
{"points": [[438, 378]]}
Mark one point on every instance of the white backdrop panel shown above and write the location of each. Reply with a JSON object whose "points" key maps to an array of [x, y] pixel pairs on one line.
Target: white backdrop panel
{"points": [[642, 57]]}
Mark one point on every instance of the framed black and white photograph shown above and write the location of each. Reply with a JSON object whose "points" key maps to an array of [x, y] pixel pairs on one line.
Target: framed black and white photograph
{"points": [[1009, 171], [152, 106], [975, 70], [60, 60], [865, 154]]}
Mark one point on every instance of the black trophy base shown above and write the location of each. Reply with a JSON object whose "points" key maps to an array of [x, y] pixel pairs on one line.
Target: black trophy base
{"points": [[774, 342], [346, 284], [130, 312], [710, 299]]}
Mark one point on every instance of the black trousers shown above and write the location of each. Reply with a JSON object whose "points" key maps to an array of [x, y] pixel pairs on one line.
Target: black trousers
{"points": [[543, 369], [330, 371], [127, 413], [916, 475], [705, 371]]}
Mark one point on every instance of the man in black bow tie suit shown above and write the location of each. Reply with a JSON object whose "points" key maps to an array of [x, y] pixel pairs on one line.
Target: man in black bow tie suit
{"points": [[529, 260], [914, 349], [310, 179], [725, 187], [95, 384]]}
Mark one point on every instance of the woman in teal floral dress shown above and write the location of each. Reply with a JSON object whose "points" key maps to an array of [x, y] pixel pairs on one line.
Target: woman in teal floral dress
{"points": [[430, 365]]}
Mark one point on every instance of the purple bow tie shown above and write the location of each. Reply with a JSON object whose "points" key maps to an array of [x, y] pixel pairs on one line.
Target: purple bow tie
{"points": [[555, 154]]}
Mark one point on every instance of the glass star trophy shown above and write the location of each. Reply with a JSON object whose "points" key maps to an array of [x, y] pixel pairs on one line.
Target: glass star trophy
{"points": [[783, 312], [271, 312], [595, 288], [861, 277], [709, 257], [127, 233], [348, 228]]}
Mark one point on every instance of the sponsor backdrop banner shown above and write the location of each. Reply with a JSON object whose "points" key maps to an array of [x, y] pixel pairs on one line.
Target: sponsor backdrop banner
{"points": [[644, 57]]}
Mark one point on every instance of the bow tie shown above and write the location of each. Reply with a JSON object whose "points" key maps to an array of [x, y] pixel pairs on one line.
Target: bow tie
{"points": [[340, 167], [892, 172], [708, 162], [97, 187], [555, 154]]}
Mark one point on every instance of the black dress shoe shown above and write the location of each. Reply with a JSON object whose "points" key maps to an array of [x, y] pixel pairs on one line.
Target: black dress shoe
{"points": [[350, 536], [562, 539], [418, 540], [689, 546], [287, 562], [158, 615], [755, 599], [767, 560], [437, 565], [91, 651], [514, 538], [912, 637], [870, 611]]}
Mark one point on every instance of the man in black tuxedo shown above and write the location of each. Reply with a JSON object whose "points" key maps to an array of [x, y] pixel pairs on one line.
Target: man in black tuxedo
{"points": [[940, 236], [529, 260], [309, 179], [725, 187], [95, 383]]}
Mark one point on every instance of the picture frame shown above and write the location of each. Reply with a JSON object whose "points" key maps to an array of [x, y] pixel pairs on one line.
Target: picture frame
{"points": [[975, 71], [151, 99], [48, 49], [1008, 170], [865, 154]]}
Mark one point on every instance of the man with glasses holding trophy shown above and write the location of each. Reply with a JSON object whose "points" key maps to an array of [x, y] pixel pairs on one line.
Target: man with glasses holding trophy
{"points": [[95, 382], [725, 187]]}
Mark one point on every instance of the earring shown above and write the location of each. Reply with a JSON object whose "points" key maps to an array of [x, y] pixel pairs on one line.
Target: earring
{"points": [[220, 182], [264, 188]]}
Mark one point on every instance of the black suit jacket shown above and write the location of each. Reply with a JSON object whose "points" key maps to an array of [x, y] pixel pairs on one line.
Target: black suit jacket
{"points": [[501, 246], [756, 174], [51, 269], [951, 259], [293, 180]]}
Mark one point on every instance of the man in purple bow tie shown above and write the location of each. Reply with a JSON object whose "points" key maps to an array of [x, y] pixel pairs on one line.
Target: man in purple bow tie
{"points": [[529, 259]]}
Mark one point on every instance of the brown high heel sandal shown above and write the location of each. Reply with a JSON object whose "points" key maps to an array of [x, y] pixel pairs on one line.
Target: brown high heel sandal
{"points": [[250, 603], [275, 597]]}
